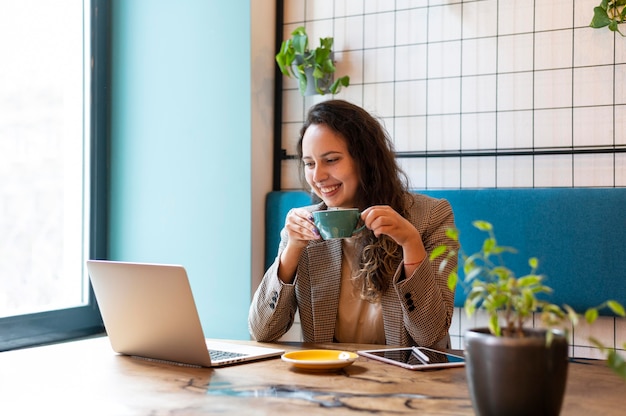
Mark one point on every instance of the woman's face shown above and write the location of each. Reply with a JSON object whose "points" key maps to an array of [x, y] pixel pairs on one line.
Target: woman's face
{"points": [[329, 169]]}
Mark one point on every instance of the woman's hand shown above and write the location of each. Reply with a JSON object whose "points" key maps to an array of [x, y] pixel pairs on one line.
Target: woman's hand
{"points": [[300, 227], [383, 219], [300, 230]]}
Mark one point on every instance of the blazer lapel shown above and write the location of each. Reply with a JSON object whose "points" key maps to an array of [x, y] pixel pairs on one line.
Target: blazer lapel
{"points": [[325, 280]]}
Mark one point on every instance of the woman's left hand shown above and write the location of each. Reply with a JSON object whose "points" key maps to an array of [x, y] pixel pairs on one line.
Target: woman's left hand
{"points": [[382, 219]]}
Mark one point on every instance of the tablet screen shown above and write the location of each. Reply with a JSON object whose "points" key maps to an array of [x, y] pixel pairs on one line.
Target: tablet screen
{"points": [[417, 357]]}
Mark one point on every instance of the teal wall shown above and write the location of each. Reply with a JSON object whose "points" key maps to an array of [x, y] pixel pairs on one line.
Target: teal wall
{"points": [[180, 148]]}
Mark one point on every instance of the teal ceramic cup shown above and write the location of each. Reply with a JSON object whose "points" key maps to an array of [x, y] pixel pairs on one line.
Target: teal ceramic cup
{"points": [[337, 223]]}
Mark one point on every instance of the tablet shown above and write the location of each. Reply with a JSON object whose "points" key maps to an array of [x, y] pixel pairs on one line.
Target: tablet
{"points": [[415, 358]]}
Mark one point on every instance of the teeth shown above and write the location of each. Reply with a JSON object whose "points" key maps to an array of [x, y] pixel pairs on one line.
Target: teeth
{"points": [[329, 189]]}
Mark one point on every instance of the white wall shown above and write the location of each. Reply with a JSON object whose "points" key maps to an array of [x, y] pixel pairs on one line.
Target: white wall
{"points": [[476, 75]]}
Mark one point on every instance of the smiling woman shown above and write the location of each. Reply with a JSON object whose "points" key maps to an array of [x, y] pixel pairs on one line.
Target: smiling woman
{"points": [[46, 153], [371, 285]]}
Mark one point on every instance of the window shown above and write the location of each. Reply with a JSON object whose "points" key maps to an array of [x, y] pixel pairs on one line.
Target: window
{"points": [[50, 155]]}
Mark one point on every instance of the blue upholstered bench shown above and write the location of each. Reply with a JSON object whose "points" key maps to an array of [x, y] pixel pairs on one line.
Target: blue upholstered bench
{"points": [[576, 233]]}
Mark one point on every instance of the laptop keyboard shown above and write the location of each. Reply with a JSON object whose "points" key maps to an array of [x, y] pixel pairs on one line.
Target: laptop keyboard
{"points": [[224, 355]]}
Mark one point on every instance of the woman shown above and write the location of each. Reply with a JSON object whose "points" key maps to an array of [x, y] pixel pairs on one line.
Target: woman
{"points": [[379, 286]]}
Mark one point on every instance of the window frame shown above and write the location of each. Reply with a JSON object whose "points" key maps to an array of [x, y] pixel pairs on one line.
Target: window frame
{"points": [[29, 330]]}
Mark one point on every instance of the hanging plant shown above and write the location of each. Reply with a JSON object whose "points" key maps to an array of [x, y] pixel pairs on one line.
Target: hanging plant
{"points": [[313, 68], [609, 13]]}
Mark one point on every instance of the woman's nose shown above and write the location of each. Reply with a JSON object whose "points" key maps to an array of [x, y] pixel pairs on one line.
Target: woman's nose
{"points": [[319, 173]]}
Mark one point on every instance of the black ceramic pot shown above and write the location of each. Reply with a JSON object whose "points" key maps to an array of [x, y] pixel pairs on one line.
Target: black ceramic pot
{"points": [[516, 376]]}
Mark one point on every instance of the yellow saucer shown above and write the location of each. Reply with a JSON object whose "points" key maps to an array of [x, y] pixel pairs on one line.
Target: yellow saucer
{"points": [[319, 359]]}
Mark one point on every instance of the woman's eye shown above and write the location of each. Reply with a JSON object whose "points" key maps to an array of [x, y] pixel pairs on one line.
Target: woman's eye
{"points": [[308, 164]]}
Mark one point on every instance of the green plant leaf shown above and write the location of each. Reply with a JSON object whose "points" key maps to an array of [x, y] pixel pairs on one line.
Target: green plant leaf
{"points": [[452, 233], [497, 301], [302, 81], [504, 249], [615, 306], [442, 265], [340, 82], [600, 18], [543, 289], [482, 225], [502, 273], [617, 363], [470, 260], [471, 274], [322, 58], [529, 301], [591, 315], [469, 309], [475, 294], [596, 342], [488, 245], [444, 262], [552, 314], [285, 57], [438, 251], [494, 326], [326, 43], [572, 315], [530, 280], [318, 73], [453, 278], [300, 40]]}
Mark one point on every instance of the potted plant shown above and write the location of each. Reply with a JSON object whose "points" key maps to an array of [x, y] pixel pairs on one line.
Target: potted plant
{"points": [[513, 369], [313, 68], [609, 13]]}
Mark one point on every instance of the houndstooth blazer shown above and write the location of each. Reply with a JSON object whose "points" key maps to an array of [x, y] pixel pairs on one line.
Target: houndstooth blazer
{"points": [[416, 310]]}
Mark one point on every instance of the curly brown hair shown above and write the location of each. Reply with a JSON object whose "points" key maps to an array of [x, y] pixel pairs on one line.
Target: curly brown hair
{"points": [[381, 182]]}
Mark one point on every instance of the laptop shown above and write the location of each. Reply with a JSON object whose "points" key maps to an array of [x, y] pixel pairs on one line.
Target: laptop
{"points": [[149, 311]]}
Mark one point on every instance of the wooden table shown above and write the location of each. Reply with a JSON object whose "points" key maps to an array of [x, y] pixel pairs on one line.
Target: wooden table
{"points": [[87, 378]]}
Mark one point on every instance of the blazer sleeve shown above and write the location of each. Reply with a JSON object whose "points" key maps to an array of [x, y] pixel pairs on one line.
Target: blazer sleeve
{"points": [[274, 305], [426, 301]]}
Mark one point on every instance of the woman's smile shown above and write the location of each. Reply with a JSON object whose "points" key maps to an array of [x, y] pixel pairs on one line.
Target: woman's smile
{"points": [[327, 190]]}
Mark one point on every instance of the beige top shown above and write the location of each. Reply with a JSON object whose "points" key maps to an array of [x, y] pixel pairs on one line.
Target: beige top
{"points": [[358, 320]]}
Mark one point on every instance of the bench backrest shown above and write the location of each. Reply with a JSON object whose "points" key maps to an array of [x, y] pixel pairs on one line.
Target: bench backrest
{"points": [[576, 233]]}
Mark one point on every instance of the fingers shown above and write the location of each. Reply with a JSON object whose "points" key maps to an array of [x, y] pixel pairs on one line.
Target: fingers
{"points": [[300, 226], [383, 219], [380, 216]]}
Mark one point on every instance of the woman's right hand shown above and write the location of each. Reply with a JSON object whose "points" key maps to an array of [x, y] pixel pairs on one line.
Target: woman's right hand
{"points": [[300, 230], [300, 227]]}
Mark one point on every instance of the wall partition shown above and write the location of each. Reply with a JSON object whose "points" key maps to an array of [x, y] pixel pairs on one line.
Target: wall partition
{"points": [[475, 93], [180, 169]]}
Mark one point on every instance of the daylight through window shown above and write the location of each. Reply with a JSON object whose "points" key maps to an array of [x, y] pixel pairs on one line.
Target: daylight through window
{"points": [[43, 148]]}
